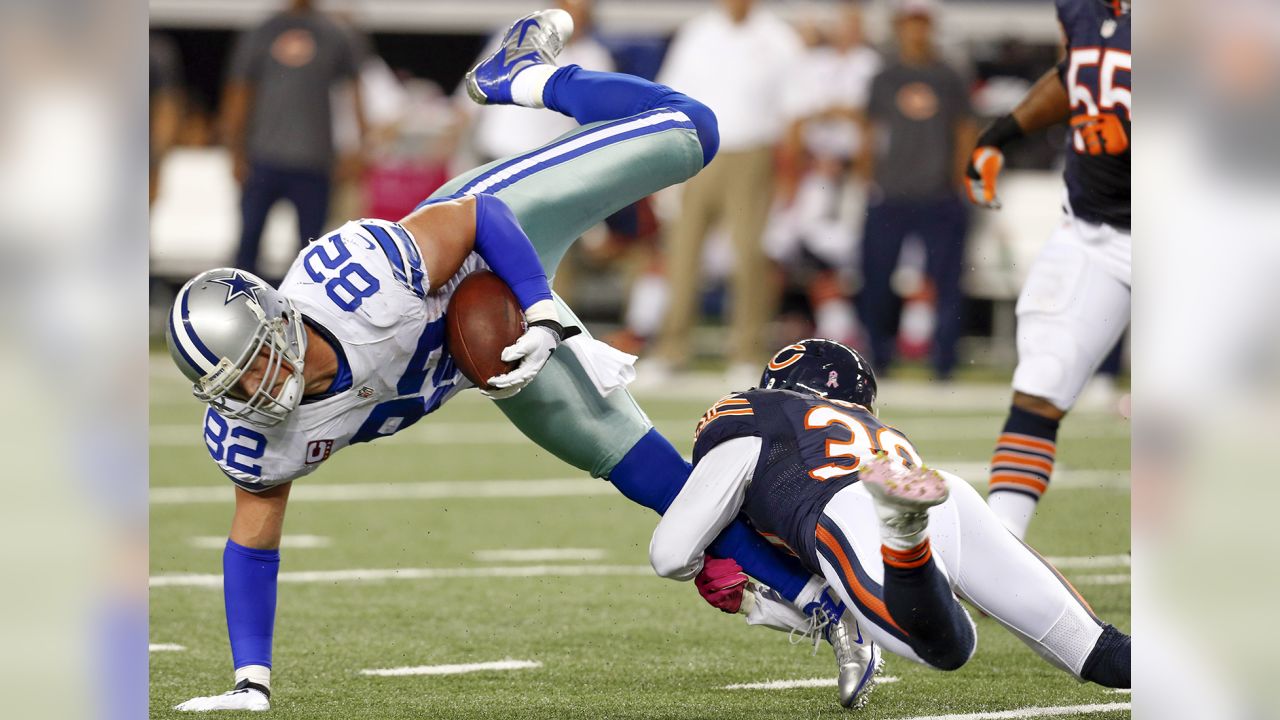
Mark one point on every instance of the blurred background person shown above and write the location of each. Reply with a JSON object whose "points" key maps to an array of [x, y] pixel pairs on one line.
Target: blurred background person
{"points": [[165, 103], [735, 58], [816, 223], [278, 118], [919, 128]]}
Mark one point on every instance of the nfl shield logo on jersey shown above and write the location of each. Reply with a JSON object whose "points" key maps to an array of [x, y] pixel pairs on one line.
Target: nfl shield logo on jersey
{"points": [[318, 451]]}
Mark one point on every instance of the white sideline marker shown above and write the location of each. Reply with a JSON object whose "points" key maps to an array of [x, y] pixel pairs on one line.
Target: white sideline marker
{"points": [[214, 580], [165, 647], [539, 554], [790, 684], [507, 664], [1116, 579], [291, 542], [1090, 562], [1032, 712]]}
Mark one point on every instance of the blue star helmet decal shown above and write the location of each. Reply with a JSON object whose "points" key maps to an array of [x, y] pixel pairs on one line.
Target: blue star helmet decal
{"points": [[238, 285]]}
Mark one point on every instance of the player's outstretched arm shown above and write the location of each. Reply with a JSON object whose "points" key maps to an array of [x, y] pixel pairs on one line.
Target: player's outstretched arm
{"points": [[708, 502], [250, 564], [447, 232], [1046, 104]]}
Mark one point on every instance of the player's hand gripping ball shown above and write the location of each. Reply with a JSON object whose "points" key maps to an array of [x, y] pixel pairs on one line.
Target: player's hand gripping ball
{"points": [[483, 319]]}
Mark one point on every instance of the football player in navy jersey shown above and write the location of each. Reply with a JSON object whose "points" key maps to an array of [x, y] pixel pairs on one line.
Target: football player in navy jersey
{"points": [[809, 464], [1075, 304]]}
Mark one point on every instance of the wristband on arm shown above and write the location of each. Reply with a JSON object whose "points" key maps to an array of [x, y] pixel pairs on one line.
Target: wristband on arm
{"points": [[1004, 130]]}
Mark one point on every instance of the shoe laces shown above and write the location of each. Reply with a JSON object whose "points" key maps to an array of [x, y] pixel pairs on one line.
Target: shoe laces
{"points": [[813, 629]]}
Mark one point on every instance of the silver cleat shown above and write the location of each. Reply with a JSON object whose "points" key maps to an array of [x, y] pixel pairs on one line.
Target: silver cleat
{"points": [[858, 659]]}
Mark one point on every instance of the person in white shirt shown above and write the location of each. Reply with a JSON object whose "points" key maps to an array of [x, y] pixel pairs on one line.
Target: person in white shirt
{"points": [[815, 228], [736, 57]]}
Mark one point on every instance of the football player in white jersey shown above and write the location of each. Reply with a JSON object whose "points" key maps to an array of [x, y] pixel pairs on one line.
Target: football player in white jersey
{"points": [[351, 347]]}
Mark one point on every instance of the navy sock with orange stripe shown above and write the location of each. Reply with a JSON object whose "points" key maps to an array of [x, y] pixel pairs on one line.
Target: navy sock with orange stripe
{"points": [[1021, 467], [919, 599]]}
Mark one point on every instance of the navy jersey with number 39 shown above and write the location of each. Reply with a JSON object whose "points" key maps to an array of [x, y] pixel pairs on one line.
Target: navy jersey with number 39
{"points": [[1098, 75], [811, 448]]}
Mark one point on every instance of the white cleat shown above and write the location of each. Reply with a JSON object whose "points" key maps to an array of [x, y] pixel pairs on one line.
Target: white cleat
{"points": [[903, 495]]}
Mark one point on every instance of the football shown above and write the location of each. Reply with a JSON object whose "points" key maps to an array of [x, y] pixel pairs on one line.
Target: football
{"points": [[483, 317]]}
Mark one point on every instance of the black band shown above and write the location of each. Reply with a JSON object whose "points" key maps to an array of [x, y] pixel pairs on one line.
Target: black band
{"points": [[553, 326], [250, 685], [1001, 132]]}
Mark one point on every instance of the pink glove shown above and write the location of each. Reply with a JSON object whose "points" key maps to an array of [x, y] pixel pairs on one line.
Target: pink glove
{"points": [[721, 583]]}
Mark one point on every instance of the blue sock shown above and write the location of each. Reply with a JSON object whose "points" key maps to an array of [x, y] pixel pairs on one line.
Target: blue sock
{"points": [[652, 473], [249, 589], [588, 96]]}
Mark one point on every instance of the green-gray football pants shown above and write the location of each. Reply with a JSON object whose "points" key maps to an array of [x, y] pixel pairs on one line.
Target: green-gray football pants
{"points": [[557, 192]]}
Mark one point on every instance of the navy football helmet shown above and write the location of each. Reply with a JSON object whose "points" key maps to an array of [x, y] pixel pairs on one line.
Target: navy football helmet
{"points": [[822, 367]]}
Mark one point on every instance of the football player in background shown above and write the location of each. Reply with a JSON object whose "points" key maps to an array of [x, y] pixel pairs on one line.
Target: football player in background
{"points": [[1075, 304], [807, 461], [351, 347]]}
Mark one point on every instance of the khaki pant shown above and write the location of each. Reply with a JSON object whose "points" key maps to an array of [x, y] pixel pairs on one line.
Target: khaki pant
{"points": [[734, 188]]}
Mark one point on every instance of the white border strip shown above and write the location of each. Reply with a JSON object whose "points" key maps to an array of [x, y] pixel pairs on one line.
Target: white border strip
{"points": [[507, 664], [1032, 712]]}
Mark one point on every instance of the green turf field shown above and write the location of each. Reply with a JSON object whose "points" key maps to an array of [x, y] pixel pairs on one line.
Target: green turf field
{"points": [[612, 640]]}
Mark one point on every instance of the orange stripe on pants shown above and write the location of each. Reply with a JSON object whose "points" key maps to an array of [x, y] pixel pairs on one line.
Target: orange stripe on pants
{"points": [[868, 600]]}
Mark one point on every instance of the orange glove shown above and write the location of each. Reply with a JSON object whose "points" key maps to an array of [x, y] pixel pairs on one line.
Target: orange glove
{"points": [[1102, 134], [984, 167]]}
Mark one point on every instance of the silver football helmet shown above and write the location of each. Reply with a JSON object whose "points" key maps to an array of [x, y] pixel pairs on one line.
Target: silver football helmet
{"points": [[221, 321]]}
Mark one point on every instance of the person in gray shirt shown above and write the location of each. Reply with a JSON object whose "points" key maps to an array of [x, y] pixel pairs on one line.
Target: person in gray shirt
{"points": [[278, 119], [920, 125]]}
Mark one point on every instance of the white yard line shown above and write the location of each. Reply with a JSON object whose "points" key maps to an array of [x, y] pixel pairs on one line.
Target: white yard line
{"points": [[920, 430], [1116, 579], [975, 473], [290, 542], [214, 580], [1090, 562], [789, 684], [165, 647], [507, 664], [539, 554], [1032, 712], [558, 487]]}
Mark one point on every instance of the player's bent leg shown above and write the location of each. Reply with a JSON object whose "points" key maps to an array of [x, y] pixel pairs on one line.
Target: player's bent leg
{"points": [[1007, 580], [910, 611], [647, 138], [1071, 312]]}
